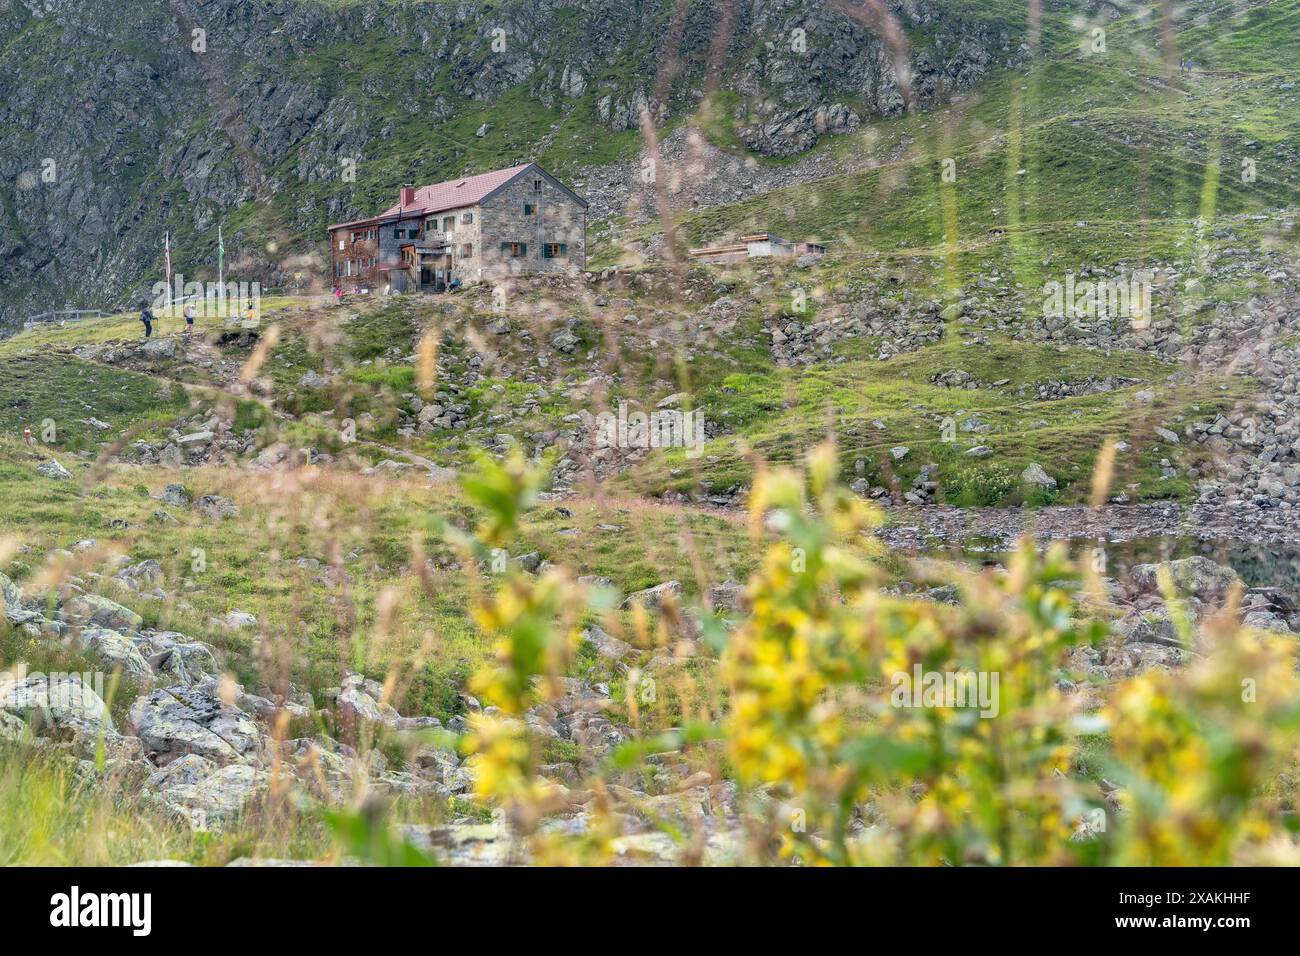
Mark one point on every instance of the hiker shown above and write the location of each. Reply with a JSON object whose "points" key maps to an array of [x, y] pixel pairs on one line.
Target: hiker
{"points": [[147, 318], [189, 317], [251, 315]]}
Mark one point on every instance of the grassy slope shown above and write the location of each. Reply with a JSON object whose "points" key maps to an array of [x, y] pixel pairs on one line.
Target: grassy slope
{"points": [[1064, 435], [249, 561], [1079, 138], [64, 393]]}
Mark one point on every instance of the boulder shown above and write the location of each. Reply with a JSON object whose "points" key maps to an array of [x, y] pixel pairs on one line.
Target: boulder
{"points": [[115, 651], [92, 609], [727, 596], [52, 469], [193, 720], [138, 577], [654, 598], [1035, 475], [1198, 576], [159, 348], [12, 727], [56, 700], [218, 799], [175, 495], [239, 620], [216, 507], [606, 644], [200, 439], [10, 593], [1151, 628], [175, 655], [564, 341], [357, 706]]}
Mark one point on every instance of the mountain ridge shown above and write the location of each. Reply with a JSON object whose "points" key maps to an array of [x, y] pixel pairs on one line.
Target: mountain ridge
{"points": [[141, 134]]}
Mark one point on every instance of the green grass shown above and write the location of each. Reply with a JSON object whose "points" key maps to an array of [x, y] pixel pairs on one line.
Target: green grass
{"points": [[638, 545], [55, 395], [310, 626], [1082, 173], [782, 413], [123, 327], [48, 817], [375, 332]]}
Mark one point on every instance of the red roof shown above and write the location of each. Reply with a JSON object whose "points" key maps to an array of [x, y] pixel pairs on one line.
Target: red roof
{"points": [[454, 193]]}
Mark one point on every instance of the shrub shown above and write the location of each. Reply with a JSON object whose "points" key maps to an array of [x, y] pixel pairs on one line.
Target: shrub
{"points": [[837, 768], [980, 485]]}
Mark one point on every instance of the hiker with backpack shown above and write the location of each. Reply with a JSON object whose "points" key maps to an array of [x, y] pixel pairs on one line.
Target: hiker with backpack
{"points": [[147, 318], [189, 317]]}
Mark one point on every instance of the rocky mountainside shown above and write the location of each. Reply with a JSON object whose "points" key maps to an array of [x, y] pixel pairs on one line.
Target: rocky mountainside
{"points": [[275, 118]]}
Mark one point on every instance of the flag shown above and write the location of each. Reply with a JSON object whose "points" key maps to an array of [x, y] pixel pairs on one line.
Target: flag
{"points": [[221, 257]]}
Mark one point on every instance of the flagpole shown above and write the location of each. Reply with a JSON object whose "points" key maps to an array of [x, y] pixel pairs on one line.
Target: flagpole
{"points": [[221, 266], [167, 266]]}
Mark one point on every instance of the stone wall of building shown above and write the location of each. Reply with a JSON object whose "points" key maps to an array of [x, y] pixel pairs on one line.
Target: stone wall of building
{"points": [[553, 218]]}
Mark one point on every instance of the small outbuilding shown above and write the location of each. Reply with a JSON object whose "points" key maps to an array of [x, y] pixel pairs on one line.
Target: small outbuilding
{"points": [[758, 245]]}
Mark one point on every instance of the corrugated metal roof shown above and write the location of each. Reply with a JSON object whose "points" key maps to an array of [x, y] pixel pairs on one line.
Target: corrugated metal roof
{"points": [[429, 200], [454, 193]]}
